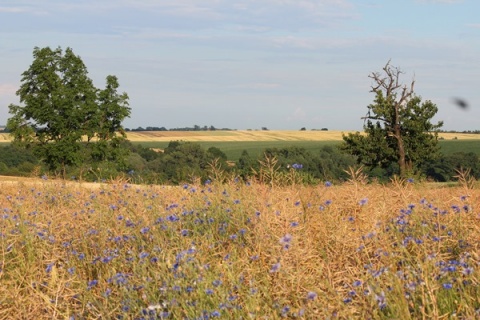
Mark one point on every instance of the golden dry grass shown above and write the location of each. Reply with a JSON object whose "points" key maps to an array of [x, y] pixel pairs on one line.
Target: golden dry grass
{"points": [[339, 236]]}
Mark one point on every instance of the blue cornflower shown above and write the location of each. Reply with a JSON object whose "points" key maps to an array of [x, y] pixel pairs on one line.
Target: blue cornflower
{"points": [[49, 267], [285, 310], [217, 283], [357, 283], [143, 255], [209, 291], [381, 300], [311, 295], [275, 267], [297, 166], [91, 284], [363, 201], [286, 240], [144, 230], [107, 292], [410, 180], [107, 259], [328, 184], [467, 271], [215, 313], [447, 286]]}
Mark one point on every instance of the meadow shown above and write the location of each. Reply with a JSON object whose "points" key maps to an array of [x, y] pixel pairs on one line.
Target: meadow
{"points": [[237, 250]]}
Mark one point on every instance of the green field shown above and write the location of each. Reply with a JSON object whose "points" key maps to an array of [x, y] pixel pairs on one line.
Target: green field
{"points": [[233, 149]]}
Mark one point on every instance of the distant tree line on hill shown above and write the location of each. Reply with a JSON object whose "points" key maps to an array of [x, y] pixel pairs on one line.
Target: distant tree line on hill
{"points": [[194, 128], [464, 131]]}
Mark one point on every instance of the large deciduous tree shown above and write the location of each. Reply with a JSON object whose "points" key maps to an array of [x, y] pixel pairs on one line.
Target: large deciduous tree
{"points": [[398, 127], [60, 106]]}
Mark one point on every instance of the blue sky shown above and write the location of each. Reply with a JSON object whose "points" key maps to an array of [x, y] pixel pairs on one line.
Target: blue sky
{"points": [[281, 64]]}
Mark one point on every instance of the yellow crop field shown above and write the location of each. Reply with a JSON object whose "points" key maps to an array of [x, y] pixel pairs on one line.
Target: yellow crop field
{"points": [[247, 135]]}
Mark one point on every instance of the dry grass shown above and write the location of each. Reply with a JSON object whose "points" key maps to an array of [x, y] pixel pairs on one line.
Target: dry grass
{"points": [[238, 251]]}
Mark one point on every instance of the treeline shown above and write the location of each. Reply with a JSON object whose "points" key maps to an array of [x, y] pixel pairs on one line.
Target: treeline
{"points": [[194, 128], [464, 131], [187, 161]]}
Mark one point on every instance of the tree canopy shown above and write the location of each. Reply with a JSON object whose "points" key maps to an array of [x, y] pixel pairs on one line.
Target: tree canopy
{"points": [[60, 106], [397, 127]]}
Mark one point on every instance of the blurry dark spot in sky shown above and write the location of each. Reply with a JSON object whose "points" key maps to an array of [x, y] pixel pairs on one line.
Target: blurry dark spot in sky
{"points": [[461, 103]]}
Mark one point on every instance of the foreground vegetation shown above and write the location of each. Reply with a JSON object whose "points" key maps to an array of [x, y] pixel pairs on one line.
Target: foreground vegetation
{"points": [[236, 250], [178, 162]]}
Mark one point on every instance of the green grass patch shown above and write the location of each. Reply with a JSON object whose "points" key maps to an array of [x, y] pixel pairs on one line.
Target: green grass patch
{"points": [[234, 149], [452, 146]]}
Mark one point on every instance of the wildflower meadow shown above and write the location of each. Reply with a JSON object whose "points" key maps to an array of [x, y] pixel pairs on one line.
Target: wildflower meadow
{"points": [[239, 250]]}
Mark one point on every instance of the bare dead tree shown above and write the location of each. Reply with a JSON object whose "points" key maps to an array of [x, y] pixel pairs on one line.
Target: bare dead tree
{"points": [[397, 95]]}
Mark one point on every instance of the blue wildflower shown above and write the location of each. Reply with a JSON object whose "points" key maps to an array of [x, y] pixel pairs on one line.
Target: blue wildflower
{"points": [[311, 295], [209, 291], [49, 267], [447, 286], [275, 267], [92, 284]]}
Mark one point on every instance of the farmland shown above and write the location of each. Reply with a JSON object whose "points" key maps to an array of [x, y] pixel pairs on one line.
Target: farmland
{"points": [[238, 250], [232, 143]]}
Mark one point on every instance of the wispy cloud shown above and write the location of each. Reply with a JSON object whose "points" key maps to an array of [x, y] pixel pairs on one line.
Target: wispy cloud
{"points": [[441, 1], [22, 9]]}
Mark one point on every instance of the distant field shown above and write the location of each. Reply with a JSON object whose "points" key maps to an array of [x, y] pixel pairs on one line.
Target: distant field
{"points": [[246, 135], [234, 142], [274, 135], [238, 135]]}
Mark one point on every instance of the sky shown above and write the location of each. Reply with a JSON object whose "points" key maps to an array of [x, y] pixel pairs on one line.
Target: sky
{"points": [[248, 64]]}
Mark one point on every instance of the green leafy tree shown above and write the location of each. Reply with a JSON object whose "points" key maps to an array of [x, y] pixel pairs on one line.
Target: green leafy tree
{"points": [[60, 105], [398, 127]]}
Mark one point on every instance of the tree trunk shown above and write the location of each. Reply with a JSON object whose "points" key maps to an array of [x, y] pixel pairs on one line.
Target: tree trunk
{"points": [[401, 149], [401, 158]]}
